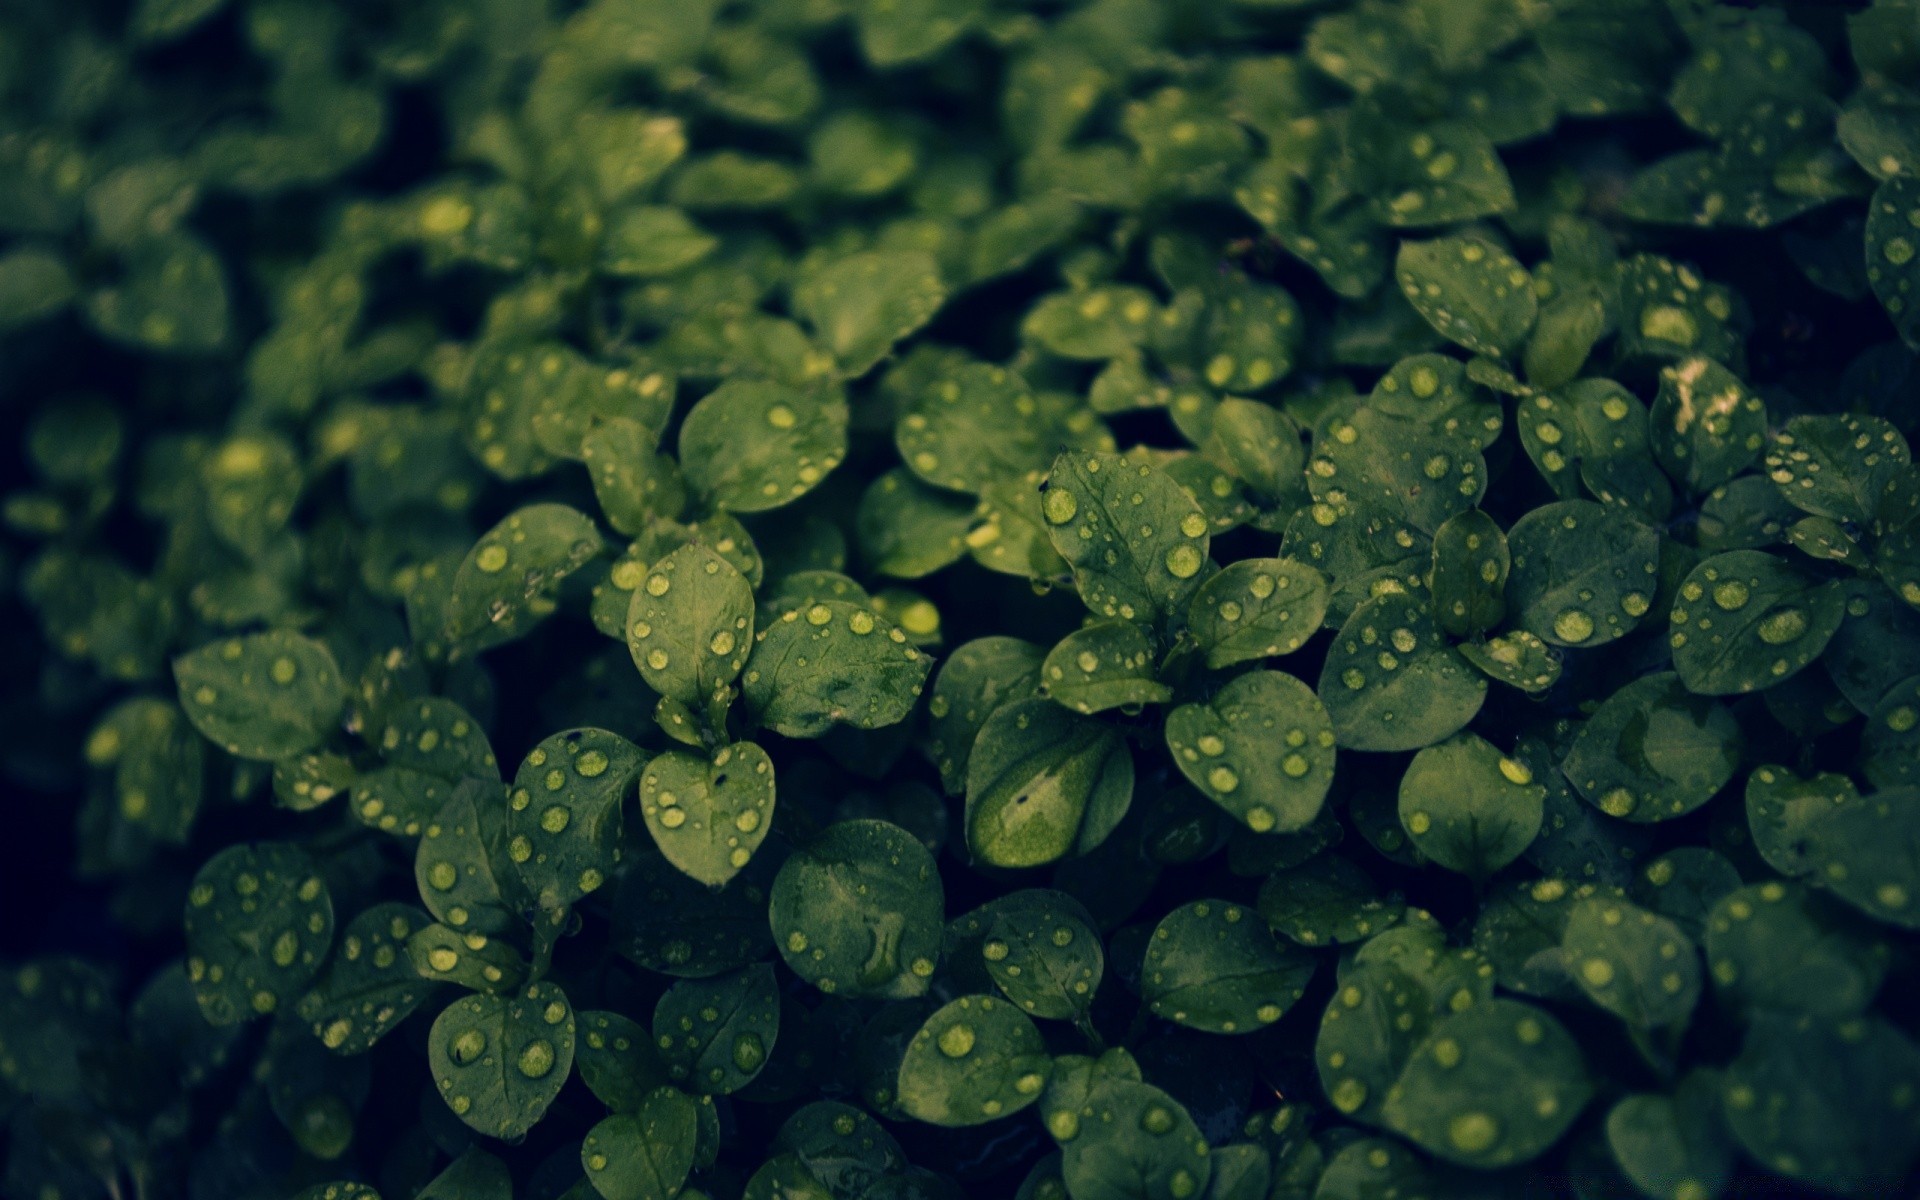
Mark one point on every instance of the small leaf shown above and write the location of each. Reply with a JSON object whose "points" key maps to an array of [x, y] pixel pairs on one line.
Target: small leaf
{"points": [[644, 241], [1673, 1147], [1635, 964], [1468, 807], [857, 912], [499, 1062], [1107, 1158], [1391, 681], [1257, 608], [1108, 321], [1470, 565], [1786, 813], [1706, 425], [1494, 1085], [832, 662], [1836, 466], [1434, 176], [972, 684], [645, 1154], [461, 867], [1137, 542], [709, 815], [1867, 853], [1746, 620], [1474, 293], [1891, 240], [1043, 783], [907, 529], [1261, 748], [1042, 951], [1518, 659], [1216, 967], [264, 696], [751, 445], [716, 1034], [370, 986], [1783, 947], [861, 305], [506, 581], [617, 1060], [1108, 664], [564, 813], [1654, 751], [974, 1060], [472, 960], [1583, 574], [690, 625], [259, 921]]}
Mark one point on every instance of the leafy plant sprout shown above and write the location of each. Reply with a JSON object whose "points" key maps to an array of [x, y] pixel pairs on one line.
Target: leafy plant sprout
{"points": [[925, 599]]}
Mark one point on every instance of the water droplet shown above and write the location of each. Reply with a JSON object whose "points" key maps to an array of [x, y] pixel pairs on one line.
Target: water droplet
{"points": [[491, 559], [780, 417], [1598, 972], [1730, 595], [1058, 506], [1782, 625], [748, 1052], [1473, 1132], [673, 818], [1183, 561], [1088, 661], [722, 643], [1064, 1125], [1516, 772], [555, 819], [956, 1041], [1573, 626], [536, 1058], [467, 1046], [1157, 1119], [1222, 779]]}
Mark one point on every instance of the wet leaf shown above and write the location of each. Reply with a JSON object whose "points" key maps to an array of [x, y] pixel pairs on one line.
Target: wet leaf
{"points": [[709, 814], [1745, 620], [259, 923], [1257, 608], [1583, 574], [1135, 540], [716, 1034], [1043, 783], [1108, 664], [500, 1061], [752, 445], [263, 696], [1654, 751], [1468, 807], [370, 986], [1261, 748], [1474, 293], [832, 662], [974, 1060], [857, 912], [645, 1154], [1217, 967], [1392, 682], [690, 641], [563, 823]]}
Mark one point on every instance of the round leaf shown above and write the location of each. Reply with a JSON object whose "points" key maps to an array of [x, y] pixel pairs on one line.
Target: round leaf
{"points": [[259, 921], [1654, 751], [646, 1154], [1262, 749], [690, 625], [751, 445], [858, 912], [499, 1061], [564, 813], [1257, 608], [709, 815], [1468, 807], [265, 696], [1745, 620], [1583, 574], [975, 1060], [1216, 967], [832, 661], [1043, 783], [716, 1034], [1135, 539], [1392, 682]]}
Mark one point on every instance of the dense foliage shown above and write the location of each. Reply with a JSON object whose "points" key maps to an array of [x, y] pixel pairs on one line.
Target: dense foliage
{"points": [[866, 599]]}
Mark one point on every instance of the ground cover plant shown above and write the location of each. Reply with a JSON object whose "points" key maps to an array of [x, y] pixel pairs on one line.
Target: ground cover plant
{"points": [[882, 599]]}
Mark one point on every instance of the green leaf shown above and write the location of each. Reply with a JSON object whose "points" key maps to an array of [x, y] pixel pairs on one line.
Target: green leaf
{"points": [[1836, 466], [716, 1034], [264, 696], [1667, 311], [1472, 292], [1135, 539], [894, 33], [1786, 813], [646, 1154], [832, 662], [34, 284], [1891, 241], [438, 737], [1043, 783], [1468, 807], [1782, 947], [475, 1175], [506, 582], [1432, 176], [1257, 608], [1107, 1158], [1746, 620], [709, 815], [617, 1060], [668, 922], [172, 298], [1042, 951], [1636, 964], [470, 959], [975, 1060], [1470, 565], [1673, 1147], [1583, 574], [1391, 681], [1261, 748], [1494, 1085], [978, 424], [1367, 1033], [370, 986], [1866, 854], [1654, 751], [461, 869], [500, 1061], [1706, 425], [907, 529], [859, 306], [1107, 321], [1108, 664], [157, 763], [644, 241], [690, 641], [259, 922], [564, 813], [634, 485], [975, 681], [751, 445], [1327, 900], [1518, 659], [1216, 967], [857, 912], [1821, 1101]]}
